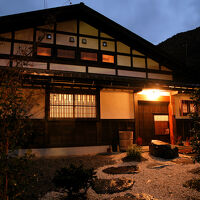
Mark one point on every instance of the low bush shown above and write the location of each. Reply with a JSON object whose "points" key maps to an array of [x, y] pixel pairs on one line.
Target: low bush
{"points": [[134, 152], [193, 184], [20, 182], [74, 180]]}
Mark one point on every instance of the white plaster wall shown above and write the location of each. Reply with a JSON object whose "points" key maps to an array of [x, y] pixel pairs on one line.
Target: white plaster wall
{"points": [[23, 49], [138, 62], [137, 53], [124, 60], [160, 76], [104, 35], [91, 43], [37, 103], [26, 34], [43, 34], [87, 29], [62, 39], [151, 64], [110, 45], [132, 73], [163, 68], [4, 62], [99, 70], [122, 48], [5, 47], [116, 104], [6, 35], [67, 26], [63, 67]]}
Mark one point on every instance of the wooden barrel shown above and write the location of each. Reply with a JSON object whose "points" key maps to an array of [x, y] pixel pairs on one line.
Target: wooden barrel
{"points": [[125, 139]]}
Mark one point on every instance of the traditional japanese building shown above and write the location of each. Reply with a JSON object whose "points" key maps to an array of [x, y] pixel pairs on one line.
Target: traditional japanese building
{"points": [[93, 78]]}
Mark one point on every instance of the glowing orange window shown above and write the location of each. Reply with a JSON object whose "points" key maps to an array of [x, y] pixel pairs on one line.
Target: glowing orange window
{"points": [[89, 56], [107, 58], [42, 51]]}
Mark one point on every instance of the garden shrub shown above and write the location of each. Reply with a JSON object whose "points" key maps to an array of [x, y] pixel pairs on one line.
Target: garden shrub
{"points": [[21, 178], [75, 180], [195, 131], [193, 184], [134, 152]]}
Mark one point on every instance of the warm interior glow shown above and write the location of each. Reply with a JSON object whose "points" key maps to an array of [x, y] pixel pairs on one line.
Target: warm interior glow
{"points": [[154, 94], [42, 51], [108, 58]]}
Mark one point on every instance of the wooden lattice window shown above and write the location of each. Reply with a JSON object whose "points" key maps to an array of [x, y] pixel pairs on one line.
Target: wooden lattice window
{"points": [[72, 105], [187, 107]]}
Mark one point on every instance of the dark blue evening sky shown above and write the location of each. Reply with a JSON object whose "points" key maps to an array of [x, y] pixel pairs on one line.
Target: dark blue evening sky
{"points": [[154, 20]]}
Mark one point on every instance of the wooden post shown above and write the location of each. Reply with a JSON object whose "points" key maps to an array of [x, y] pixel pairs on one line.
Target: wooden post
{"points": [[136, 116], [172, 124]]}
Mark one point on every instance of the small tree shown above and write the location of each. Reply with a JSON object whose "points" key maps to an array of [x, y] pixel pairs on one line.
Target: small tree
{"points": [[14, 133], [195, 131], [15, 128]]}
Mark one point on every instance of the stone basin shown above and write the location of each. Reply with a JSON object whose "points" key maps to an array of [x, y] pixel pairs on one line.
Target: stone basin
{"points": [[162, 149]]}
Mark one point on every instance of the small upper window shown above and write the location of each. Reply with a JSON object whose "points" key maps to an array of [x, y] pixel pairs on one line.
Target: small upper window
{"points": [[107, 58], [88, 56], [43, 51], [65, 53], [187, 107]]}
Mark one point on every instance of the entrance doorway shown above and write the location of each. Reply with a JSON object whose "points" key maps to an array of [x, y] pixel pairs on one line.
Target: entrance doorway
{"points": [[153, 121]]}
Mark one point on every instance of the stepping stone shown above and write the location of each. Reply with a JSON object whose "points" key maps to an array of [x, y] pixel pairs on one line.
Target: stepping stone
{"points": [[129, 196], [122, 170], [157, 166], [110, 186], [161, 149]]}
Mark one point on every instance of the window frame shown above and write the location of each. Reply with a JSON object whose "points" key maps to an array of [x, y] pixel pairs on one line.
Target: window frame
{"points": [[188, 104], [154, 122], [90, 52], [74, 106], [108, 54], [64, 49], [44, 47]]}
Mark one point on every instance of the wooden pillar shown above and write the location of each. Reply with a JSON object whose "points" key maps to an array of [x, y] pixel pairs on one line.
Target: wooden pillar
{"points": [[136, 116], [172, 121]]}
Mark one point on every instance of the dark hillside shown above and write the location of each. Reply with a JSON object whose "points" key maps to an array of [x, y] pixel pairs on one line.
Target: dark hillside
{"points": [[185, 47]]}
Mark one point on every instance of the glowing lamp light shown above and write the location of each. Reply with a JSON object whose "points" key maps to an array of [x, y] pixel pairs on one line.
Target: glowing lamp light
{"points": [[154, 94]]}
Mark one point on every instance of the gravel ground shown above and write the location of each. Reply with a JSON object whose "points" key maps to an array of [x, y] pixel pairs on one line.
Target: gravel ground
{"points": [[162, 179], [157, 179]]}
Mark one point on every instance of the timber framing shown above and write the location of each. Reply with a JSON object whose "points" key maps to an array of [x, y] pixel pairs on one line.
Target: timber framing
{"points": [[93, 58]]}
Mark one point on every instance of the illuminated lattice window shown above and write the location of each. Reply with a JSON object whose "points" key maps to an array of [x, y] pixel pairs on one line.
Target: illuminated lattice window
{"points": [[186, 107], [72, 106]]}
